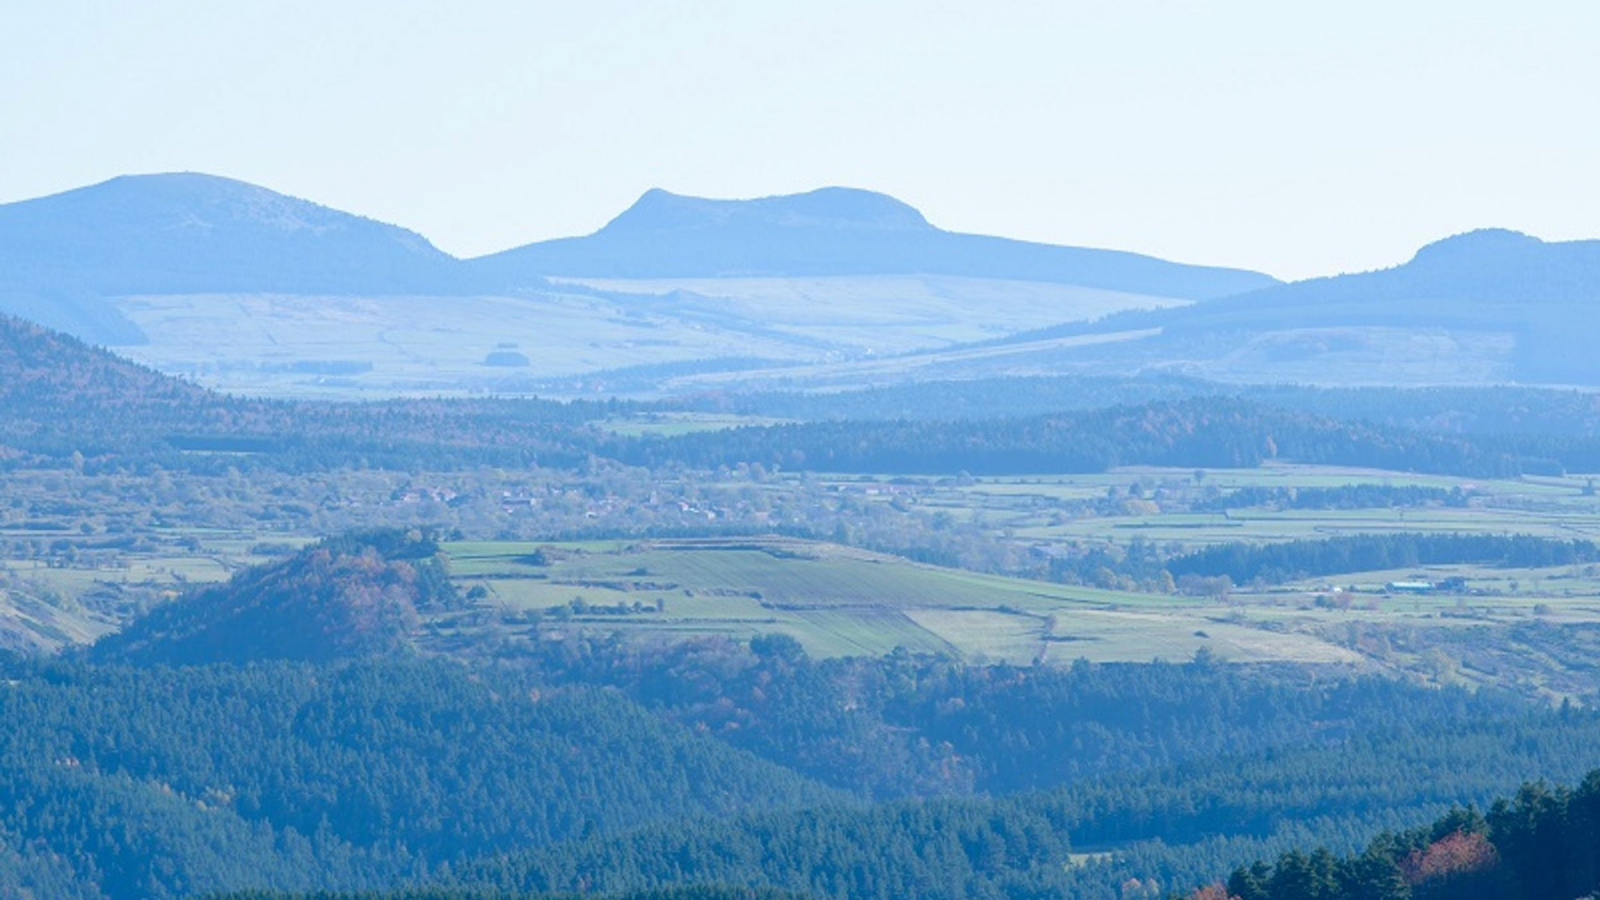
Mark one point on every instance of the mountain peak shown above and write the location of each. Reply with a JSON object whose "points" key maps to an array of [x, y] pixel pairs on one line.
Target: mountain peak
{"points": [[835, 231], [825, 208], [195, 200], [1476, 245], [188, 232]]}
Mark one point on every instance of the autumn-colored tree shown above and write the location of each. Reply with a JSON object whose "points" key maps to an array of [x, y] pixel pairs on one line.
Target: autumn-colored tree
{"points": [[1211, 892], [1459, 853]]}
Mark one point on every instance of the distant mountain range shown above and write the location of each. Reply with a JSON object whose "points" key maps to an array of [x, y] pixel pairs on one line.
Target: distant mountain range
{"points": [[200, 234], [838, 231], [1487, 306], [1488, 266]]}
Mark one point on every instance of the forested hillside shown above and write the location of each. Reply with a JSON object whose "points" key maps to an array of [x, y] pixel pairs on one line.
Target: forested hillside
{"points": [[352, 596], [1461, 410], [583, 763], [1196, 432], [1541, 844], [919, 725], [691, 893], [156, 782], [67, 402], [1167, 828]]}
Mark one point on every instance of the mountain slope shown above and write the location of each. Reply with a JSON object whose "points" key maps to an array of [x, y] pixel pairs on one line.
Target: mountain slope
{"points": [[1482, 288], [158, 783], [191, 233], [1489, 306], [41, 370], [1487, 266], [60, 397], [836, 231]]}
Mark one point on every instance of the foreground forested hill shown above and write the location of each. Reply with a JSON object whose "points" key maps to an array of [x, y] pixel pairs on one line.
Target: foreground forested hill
{"points": [[151, 783], [131, 783], [1541, 844], [206, 752]]}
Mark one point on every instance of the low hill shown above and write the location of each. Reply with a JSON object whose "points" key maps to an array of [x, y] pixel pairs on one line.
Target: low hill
{"points": [[352, 596], [62, 399], [837, 231], [58, 395]]}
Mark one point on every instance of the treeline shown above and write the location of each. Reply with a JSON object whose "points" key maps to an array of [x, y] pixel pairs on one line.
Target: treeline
{"points": [[1212, 432], [443, 893], [1345, 496], [1244, 563], [1489, 410], [1217, 569], [1542, 844], [970, 400]]}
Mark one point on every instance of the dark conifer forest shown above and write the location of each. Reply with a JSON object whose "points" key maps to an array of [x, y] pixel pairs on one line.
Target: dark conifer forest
{"points": [[201, 750]]}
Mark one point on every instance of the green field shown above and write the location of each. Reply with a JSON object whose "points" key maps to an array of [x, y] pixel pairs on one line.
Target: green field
{"points": [[841, 601], [46, 604], [1152, 504], [74, 573], [844, 601]]}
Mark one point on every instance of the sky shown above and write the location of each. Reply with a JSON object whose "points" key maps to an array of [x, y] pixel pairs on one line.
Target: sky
{"points": [[1296, 138]]}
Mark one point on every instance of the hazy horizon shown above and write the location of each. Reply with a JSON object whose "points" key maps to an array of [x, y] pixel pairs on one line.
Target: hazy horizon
{"points": [[1295, 142]]}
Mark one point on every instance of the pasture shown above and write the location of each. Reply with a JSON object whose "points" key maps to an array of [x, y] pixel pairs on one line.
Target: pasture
{"points": [[842, 601], [76, 572]]}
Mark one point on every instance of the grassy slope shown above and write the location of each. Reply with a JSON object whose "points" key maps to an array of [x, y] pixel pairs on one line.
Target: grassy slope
{"points": [[840, 601]]}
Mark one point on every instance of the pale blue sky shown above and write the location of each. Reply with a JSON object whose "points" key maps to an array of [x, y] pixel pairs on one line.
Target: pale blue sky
{"points": [[1295, 137]]}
